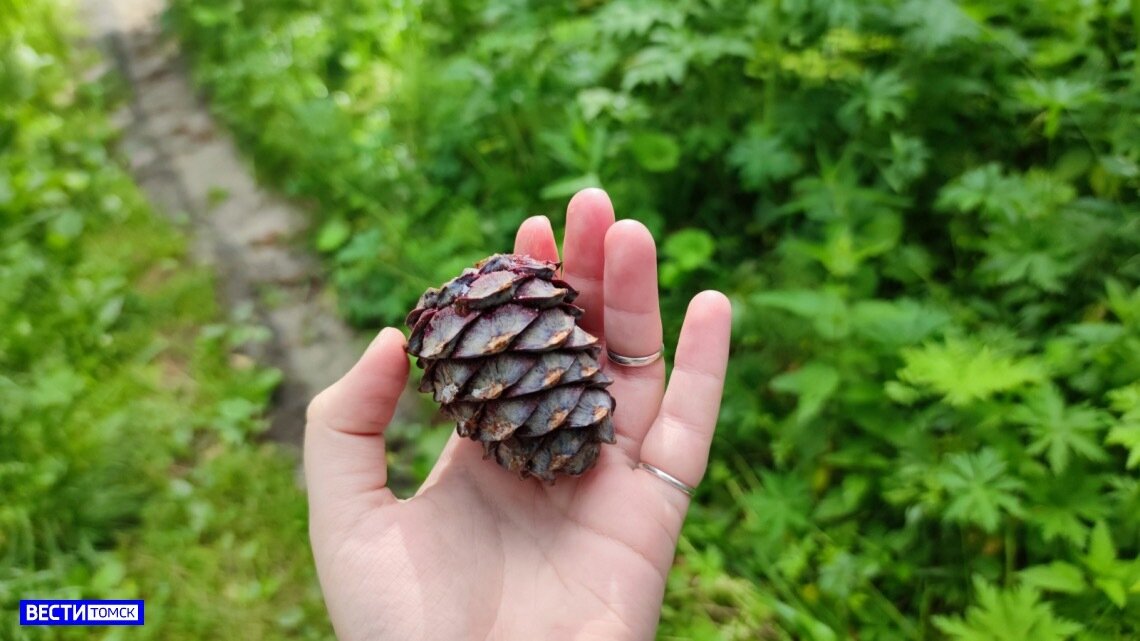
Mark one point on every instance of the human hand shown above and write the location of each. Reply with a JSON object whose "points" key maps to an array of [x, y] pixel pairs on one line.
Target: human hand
{"points": [[479, 554]]}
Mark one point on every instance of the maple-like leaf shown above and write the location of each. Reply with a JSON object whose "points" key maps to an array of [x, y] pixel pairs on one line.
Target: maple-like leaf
{"points": [[814, 384], [636, 18], [1124, 303], [964, 372], [1008, 198], [980, 491], [1125, 431], [762, 158], [1060, 431], [824, 308], [655, 65], [781, 503], [878, 96], [1054, 97], [1017, 614], [907, 161], [1061, 506], [936, 23], [900, 321], [1117, 578]]}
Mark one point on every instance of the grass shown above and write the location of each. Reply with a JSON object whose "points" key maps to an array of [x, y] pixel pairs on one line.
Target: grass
{"points": [[130, 464]]}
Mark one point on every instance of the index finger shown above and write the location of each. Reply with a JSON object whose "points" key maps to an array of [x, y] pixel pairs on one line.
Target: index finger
{"points": [[535, 238]]}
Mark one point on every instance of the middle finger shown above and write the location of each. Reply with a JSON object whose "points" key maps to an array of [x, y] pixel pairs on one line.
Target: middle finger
{"points": [[588, 216], [633, 328]]}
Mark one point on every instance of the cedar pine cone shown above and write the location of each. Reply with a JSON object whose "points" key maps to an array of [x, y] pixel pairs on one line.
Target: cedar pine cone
{"points": [[503, 354]]}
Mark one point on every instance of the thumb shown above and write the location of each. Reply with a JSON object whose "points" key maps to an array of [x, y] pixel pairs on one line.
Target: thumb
{"points": [[344, 434]]}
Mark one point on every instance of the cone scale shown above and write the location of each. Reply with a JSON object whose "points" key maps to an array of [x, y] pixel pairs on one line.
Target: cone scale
{"points": [[503, 355]]}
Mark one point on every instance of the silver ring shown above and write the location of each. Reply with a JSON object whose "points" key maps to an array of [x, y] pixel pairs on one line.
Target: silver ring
{"points": [[635, 361], [668, 478]]}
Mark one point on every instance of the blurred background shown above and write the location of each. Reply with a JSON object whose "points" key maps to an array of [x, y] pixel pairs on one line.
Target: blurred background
{"points": [[926, 213]]}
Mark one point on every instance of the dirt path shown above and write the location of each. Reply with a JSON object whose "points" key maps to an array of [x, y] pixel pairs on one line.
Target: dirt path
{"points": [[254, 240]]}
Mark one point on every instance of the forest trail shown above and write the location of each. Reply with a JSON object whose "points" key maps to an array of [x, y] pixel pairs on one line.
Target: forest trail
{"points": [[254, 240]]}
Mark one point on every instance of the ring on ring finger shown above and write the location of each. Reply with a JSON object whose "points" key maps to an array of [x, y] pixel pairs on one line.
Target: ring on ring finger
{"points": [[635, 361]]}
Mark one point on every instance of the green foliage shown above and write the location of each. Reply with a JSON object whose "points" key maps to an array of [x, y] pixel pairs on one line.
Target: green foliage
{"points": [[1059, 431], [239, 552], [1126, 430], [925, 211], [127, 408], [965, 372], [981, 492], [1007, 615]]}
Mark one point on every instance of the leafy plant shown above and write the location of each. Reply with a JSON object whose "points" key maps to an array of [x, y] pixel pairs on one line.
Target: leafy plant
{"points": [[129, 466], [926, 213], [1007, 615]]}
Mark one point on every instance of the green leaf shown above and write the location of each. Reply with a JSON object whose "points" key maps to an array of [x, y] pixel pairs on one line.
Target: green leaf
{"points": [[333, 235], [109, 577], [1059, 522], [689, 248], [1016, 614], [596, 101], [1101, 556], [814, 384], [1058, 430], [637, 17], [655, 65], [896, 322], [685, 251], [655, 151], [1124, 302], [1054, 97], [843, 251], [1112, 575], [843, 500], [1113, 588], [936, 23], [964, 372], [567, 187], [781, 502], [1126, 433], [1001, 198], [762, 158], [1057, 576], [110, 312], [980, 490], [878, 96], [825, 308], [65, 228], [908, 161], [901, 394]]}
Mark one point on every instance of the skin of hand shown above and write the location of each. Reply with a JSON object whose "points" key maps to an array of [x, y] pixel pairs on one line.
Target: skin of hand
{"points": [[478, 553]]}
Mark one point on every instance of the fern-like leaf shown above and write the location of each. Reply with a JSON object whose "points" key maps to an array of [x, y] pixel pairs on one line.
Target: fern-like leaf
{"points": [[1016, 614]]}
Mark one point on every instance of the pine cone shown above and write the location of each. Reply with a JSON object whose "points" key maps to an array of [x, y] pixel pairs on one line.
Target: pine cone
{"points": [[503, 354]]}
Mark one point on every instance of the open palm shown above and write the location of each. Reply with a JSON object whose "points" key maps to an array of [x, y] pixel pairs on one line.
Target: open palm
{"points": [[479, 554]]}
